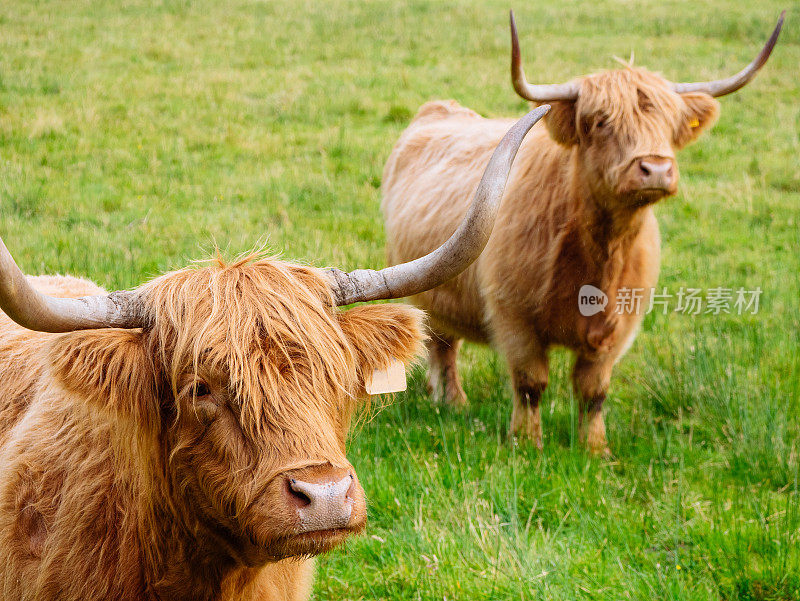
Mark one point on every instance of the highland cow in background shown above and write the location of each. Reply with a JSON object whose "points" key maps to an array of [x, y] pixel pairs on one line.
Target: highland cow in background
{"points": [[578, 212]]}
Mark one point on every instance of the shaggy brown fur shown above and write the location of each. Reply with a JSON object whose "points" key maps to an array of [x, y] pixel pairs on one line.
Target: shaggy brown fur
{"points": [[575, 212], [152, 464]]}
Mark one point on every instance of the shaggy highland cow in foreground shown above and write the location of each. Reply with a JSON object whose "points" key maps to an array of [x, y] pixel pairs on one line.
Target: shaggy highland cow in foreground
{"points": [[578, 212], [186, 440]]}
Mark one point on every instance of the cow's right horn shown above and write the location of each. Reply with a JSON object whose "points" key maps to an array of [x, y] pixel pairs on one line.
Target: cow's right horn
{"points": [[36, 311], [459, 251], [540, 92]]}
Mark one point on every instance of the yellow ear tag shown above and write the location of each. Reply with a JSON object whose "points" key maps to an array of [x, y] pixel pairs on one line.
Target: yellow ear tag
{"points": [[694, 123], [390, 379]]}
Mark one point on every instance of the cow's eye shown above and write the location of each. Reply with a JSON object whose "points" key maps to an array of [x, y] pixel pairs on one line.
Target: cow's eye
{"points": [[200, 390], [600, 124]]}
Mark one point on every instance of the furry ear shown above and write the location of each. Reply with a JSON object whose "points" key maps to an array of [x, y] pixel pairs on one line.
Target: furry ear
{"points": [[561, 122], [111, 370], [701, 113], [380, 333]]}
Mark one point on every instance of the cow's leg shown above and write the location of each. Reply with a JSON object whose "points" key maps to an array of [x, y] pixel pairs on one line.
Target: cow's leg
{"points": [[529, 382], [527, 361], [590, 378], [444, 382]]}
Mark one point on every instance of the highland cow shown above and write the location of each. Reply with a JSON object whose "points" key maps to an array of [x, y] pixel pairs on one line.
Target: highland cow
{"points": [[578, 211]]}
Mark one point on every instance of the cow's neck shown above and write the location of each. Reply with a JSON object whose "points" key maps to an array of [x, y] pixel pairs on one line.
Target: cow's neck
{"points": [[183, 558], [606, 234]]}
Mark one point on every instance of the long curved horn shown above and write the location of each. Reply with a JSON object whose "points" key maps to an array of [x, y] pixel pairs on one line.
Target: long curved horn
{"points": [[720, 87], [535, 93], [36, 311], [459, 251]]}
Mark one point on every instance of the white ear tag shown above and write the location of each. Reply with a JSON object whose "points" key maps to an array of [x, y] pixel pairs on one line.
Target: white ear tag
{"points": [[390, 379]]}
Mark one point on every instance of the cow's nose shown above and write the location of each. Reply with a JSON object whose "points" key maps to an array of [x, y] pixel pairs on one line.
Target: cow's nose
{"points": [[657, 173], [323, 504]]}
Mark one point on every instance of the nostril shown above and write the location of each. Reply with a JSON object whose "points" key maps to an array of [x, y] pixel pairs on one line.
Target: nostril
{"points": [[644, 168], [301, 498]]}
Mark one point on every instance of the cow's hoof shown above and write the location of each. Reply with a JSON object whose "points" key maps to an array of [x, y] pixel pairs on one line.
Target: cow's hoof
{"points": [[537, 442], [601, 451], [457, 400], [525, 428], [526, 438], [444, 390]]}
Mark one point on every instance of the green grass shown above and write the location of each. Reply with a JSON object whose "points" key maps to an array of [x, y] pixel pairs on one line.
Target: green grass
{"points": [[134, 136]]}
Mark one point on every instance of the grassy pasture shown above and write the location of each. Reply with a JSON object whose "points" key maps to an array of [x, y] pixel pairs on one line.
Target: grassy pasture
{"points": [[134, 136]]}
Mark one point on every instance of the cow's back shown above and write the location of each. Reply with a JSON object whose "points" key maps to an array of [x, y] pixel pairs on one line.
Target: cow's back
{"points": [[428, 184], [418, 189], [21, 351]]}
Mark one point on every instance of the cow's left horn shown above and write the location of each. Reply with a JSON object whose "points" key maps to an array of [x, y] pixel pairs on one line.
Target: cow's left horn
{"points": [[459, 251], [36, 311], [720, 87]]}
